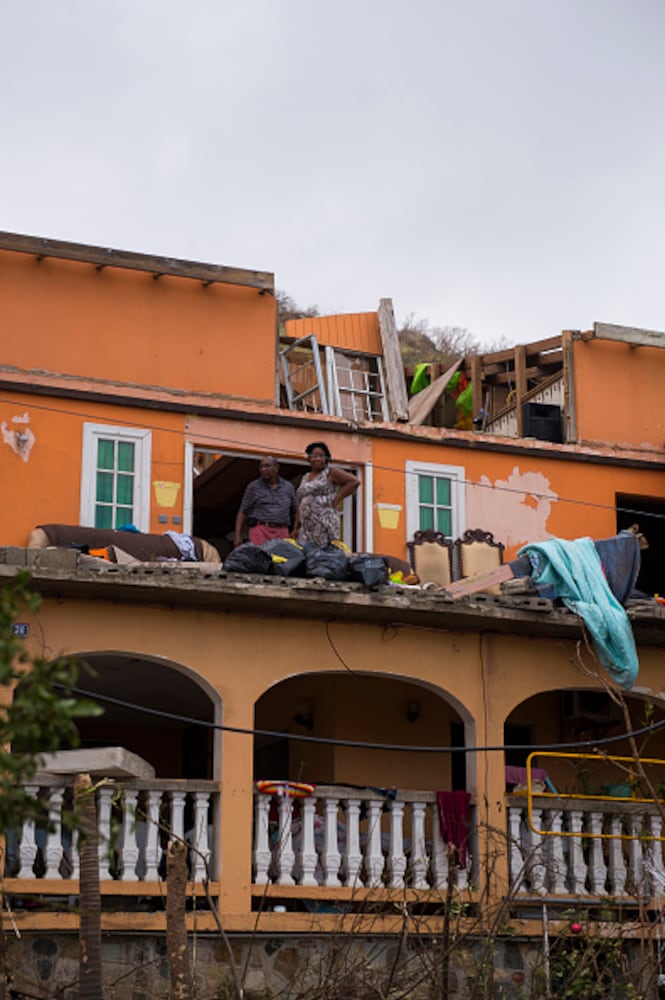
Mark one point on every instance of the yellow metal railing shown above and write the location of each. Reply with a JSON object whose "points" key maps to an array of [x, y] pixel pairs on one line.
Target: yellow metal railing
{"points": [[628, 764]]}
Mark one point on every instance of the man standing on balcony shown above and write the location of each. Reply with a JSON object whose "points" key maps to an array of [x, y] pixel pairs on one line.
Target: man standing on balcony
{"points": [[268, 505]]}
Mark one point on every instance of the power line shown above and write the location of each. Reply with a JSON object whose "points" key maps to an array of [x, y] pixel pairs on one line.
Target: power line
{"points": [[361, 745], [221, 441]]}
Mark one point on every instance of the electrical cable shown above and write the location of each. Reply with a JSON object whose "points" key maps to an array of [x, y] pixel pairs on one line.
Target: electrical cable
{"points": [[356, 744]]}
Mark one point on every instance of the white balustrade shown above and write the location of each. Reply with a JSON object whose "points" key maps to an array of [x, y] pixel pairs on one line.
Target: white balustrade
{"points": [[53, 852], [105, 846], [27, 846], [134, 819], [307, 859], [536, 855], [597, 866], [261, 855], [130, 848], [284, 855], [616, 865], [577, 869], [607, 849], [330, 856], [396, 863], [341, 837], [557, 857], [352, 859], [374, 861], [418, 860]]}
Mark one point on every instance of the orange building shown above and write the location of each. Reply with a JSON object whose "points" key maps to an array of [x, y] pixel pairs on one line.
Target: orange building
{"points": [[142, 390]]}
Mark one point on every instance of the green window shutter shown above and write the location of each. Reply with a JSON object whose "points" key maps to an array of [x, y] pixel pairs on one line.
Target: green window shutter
{"points": [[444, 522], [442, 492], [105, 453], [125, 456], [426, 489], [104, 487], [103, 516], [124, 490]]}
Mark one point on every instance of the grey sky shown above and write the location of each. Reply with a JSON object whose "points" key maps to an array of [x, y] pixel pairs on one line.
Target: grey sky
{"points": [[493, 165]]}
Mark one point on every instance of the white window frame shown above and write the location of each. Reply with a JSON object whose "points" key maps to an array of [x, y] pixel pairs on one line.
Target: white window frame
{"points": [[360, 398], [142, 440], [456, 474]]}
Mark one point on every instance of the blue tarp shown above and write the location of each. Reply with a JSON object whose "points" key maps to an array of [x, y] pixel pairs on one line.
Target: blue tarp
{"points": [[575, 572]]}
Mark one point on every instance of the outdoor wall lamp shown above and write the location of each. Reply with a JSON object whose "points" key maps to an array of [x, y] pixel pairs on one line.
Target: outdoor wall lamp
{"points": [[304, 714], [412, 711]]}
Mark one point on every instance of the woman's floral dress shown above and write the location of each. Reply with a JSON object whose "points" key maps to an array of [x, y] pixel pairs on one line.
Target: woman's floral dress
{"points": [[319, 521]]}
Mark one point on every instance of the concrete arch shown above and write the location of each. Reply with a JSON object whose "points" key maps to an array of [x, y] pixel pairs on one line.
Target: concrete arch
{"points": [[365, 706], [164, 685], [437, 690], [582, 717]]}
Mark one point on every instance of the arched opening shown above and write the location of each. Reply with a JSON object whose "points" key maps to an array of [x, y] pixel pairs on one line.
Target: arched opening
{"points": [[389, 816], [360, 707], [593, 825], [582, 716], [176, 749]]}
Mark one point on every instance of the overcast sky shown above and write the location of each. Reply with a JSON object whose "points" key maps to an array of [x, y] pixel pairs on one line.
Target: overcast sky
{"points": [[491, 164]]}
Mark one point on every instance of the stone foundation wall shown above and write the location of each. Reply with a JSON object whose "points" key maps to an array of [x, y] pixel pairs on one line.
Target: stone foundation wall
{"points": [[301, 967]]}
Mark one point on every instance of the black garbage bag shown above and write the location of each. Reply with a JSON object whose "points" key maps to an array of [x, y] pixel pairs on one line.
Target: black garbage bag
{"points": [[248, 558], [328, 562], [367, 569], [288, 558]]}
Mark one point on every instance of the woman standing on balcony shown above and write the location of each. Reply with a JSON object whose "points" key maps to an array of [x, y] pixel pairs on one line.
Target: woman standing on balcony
{"points": [[320, 497]]}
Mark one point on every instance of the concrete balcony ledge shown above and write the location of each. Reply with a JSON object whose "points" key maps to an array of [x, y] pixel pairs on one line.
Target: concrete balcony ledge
{"points": [[65, 573]]}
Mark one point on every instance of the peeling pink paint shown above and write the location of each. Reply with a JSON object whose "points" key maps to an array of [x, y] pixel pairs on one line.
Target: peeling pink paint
{"points": [[515, 510], [21, 440]]}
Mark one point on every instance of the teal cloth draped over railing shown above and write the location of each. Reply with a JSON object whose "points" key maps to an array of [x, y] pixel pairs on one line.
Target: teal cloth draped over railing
{"points": [[574, 569]]}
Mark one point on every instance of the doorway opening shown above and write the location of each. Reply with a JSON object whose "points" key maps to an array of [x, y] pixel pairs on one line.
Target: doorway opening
{"points": [[220, 479], [649, 513]]}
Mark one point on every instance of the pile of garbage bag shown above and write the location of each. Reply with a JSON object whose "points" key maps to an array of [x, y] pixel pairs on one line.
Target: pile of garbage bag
{"points": [[285, 557]]}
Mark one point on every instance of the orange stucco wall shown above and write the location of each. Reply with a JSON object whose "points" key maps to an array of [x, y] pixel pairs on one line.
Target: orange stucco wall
{"points": [[43, 484], [239, 660], [116, 324], [519, 498], [619, 393], [346, 331]]}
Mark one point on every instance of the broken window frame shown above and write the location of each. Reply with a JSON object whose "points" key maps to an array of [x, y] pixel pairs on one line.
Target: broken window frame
{"points": [[289, 375], [367, 404]]}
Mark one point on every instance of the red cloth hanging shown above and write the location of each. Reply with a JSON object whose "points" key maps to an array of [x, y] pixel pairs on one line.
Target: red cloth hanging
{"points": [[454, 820]]}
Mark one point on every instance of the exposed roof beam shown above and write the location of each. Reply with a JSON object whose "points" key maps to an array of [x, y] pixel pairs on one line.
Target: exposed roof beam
{"points": [[507, 378], [508, 354], [629, 335], [157, 266]]}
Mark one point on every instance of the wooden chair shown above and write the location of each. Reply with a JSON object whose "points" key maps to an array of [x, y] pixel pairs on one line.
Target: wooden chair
{"points": [[431, 555], [476, 551]]}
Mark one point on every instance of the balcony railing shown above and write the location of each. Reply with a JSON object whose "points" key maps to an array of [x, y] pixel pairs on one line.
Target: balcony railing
{"points": [[586, 848], [342, 836], [134, 820]]}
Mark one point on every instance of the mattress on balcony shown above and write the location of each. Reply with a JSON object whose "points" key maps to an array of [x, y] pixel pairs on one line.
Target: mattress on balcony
{"points": [[142, 546]]}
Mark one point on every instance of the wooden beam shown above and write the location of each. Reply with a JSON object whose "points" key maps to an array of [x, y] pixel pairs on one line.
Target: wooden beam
{"points": [[398, 402], [629, 335], [569, 404], [502, 377], [157, 266], [537, 347], [520, 385], [422, 404]]}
